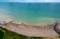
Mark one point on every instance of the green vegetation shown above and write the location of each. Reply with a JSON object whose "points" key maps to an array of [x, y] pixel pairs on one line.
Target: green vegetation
{"points": [[1, 34], [6, 34]]}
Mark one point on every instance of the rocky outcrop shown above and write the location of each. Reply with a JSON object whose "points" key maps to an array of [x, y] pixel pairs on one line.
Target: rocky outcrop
{"points": [[30, 30]]}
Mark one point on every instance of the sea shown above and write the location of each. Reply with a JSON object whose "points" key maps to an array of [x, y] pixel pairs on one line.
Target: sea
{"points": [[30, 13]]}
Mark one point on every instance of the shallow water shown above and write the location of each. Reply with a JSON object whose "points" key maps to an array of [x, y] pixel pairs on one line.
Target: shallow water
{"points": [[30, 13]]}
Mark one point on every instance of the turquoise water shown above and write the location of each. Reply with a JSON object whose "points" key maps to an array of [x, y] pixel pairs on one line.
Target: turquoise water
{"points": [[31, 13]]}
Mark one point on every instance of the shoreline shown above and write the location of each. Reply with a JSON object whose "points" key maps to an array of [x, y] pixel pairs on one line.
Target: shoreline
{"points": [[28, 30]]}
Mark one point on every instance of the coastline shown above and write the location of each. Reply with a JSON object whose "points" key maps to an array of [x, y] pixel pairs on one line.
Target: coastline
{"points": [[36, 31]]}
